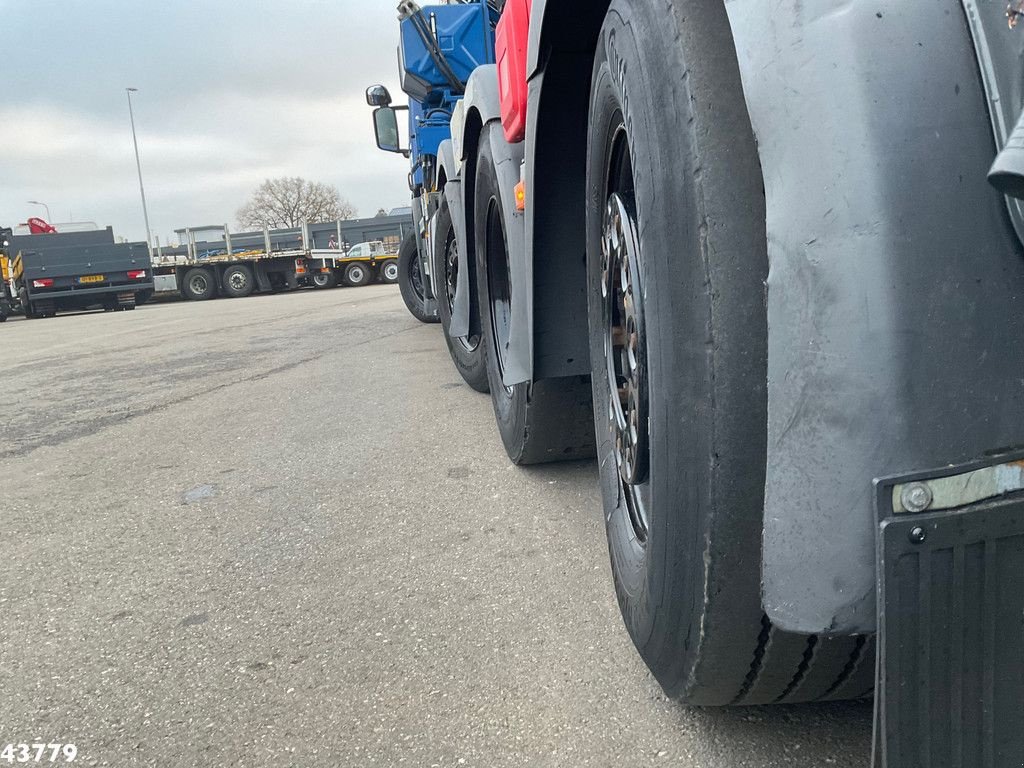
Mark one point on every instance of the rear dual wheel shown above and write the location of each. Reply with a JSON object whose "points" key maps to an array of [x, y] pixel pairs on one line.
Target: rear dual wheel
{"points": [[357, 273], [198, 284], [676, 261], [238, 281], [326, 279], [388, 271]]}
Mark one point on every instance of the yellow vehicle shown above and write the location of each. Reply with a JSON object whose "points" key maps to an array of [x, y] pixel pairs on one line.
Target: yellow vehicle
{"points": [[5, 273]]}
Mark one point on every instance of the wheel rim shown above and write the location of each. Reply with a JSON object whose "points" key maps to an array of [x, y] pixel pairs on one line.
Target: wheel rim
{"points": [[198, 284], [320, 280], [451, 283], [499, 288], [390, 271], [416, 277], [237, 281], [355, 274], [625, 340]]}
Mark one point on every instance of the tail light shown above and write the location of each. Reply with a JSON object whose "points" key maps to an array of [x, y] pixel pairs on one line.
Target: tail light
{"points": [[300, 266], [43, 282], [136, 274]]}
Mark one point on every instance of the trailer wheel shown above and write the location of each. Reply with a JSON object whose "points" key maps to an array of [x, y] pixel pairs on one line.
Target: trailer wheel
{"points": [[388, 271], [238, 281], [198, 285], [327, 279], [541, 421], [676, 262], [411, 281], [357, 273], [467, 354]]}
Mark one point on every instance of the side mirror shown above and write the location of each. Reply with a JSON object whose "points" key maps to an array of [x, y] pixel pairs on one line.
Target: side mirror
{"points": [[378, 96], [385, 127]]}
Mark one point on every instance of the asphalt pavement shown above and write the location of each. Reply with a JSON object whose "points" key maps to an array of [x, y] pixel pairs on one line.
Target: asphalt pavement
{"points": [[279, 531]]}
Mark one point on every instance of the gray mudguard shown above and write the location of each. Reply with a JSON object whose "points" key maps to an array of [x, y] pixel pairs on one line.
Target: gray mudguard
{"points": [[482, 97], [895, 291], [449, 168], [459, 327]]}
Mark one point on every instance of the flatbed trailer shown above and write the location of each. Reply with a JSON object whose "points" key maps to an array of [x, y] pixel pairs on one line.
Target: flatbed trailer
{"points": [[239, 265]]}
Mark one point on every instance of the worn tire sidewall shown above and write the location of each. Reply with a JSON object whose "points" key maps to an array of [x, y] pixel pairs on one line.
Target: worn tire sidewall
{"points": [[662, 588]]}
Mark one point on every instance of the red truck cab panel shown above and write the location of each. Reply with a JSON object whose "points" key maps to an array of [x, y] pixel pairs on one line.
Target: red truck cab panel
{"points": [[511, 38]]}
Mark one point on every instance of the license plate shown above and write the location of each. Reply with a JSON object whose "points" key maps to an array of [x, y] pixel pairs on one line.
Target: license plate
{"points": [[91, 279]]}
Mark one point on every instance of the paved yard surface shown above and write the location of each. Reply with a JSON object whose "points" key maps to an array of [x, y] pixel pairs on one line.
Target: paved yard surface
{"points": [[278, 531]]}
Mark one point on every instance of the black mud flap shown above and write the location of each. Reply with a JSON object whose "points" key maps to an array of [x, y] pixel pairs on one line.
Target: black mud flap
{"points": [[950, 685]]}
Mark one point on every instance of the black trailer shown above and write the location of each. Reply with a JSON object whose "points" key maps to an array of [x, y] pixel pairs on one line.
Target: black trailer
{"points": [[78, 271]]}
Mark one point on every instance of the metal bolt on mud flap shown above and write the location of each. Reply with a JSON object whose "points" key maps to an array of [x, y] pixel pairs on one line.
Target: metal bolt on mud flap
{"points": [[916, 497]]}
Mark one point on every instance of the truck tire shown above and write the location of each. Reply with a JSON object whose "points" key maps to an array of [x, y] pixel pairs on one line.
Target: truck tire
{"points": [[237, 281], [541, 421], [357, 273], [411, 281], [325, 280], [467, 354], [198, 285], [676, 262], [388, 271]]}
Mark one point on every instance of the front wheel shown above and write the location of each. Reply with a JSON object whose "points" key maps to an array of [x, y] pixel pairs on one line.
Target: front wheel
{"points": [[411, 281], [676, 262]]}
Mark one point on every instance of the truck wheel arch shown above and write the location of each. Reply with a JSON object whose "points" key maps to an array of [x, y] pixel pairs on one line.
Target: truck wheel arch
{"points": [[560, 65]]}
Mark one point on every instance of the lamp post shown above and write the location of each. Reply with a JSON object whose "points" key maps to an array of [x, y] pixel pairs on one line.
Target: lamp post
{"points": [[138, 166], [36, 202]]}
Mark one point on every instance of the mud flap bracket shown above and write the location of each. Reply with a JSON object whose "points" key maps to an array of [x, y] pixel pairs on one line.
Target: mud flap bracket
{"points": [[950, 565]]}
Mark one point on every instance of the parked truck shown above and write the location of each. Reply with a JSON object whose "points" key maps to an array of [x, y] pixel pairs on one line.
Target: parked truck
{"points": [[54, 272], [359, 265], [752, 256]]}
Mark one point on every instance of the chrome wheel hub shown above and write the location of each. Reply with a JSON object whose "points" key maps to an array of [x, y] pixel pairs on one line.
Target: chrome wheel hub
{"points": [[624, 342]]}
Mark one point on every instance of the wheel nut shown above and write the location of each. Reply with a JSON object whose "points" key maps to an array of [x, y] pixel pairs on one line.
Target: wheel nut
{"points": [[916, 497], [917, 535]]}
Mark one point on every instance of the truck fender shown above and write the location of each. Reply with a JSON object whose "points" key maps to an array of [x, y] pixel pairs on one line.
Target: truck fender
{"points": [[481, 111], [450, 184], [895, 293], [459, 327]]}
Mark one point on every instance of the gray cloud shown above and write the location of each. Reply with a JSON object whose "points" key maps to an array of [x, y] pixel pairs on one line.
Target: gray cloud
{"points": [[230, 93]]}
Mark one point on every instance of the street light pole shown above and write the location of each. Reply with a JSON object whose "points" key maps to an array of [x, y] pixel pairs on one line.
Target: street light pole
{"points": [[36, 202], [138, 166]]}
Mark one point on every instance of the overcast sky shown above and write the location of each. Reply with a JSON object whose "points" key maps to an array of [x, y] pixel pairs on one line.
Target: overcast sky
{"points": [[230, 93]]}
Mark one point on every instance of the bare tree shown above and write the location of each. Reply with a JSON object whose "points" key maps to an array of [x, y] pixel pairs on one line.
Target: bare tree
{"points": [[287, 201]]}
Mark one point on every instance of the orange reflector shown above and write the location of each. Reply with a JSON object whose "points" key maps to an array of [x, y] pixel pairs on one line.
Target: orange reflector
{"points": [[521, 196]]}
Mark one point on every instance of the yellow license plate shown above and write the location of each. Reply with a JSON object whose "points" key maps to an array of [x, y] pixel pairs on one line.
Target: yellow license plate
{"points": [[91, 279]]}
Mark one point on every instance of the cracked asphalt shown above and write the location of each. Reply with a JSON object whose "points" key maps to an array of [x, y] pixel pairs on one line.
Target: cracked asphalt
{"points": [[279, 531]]}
